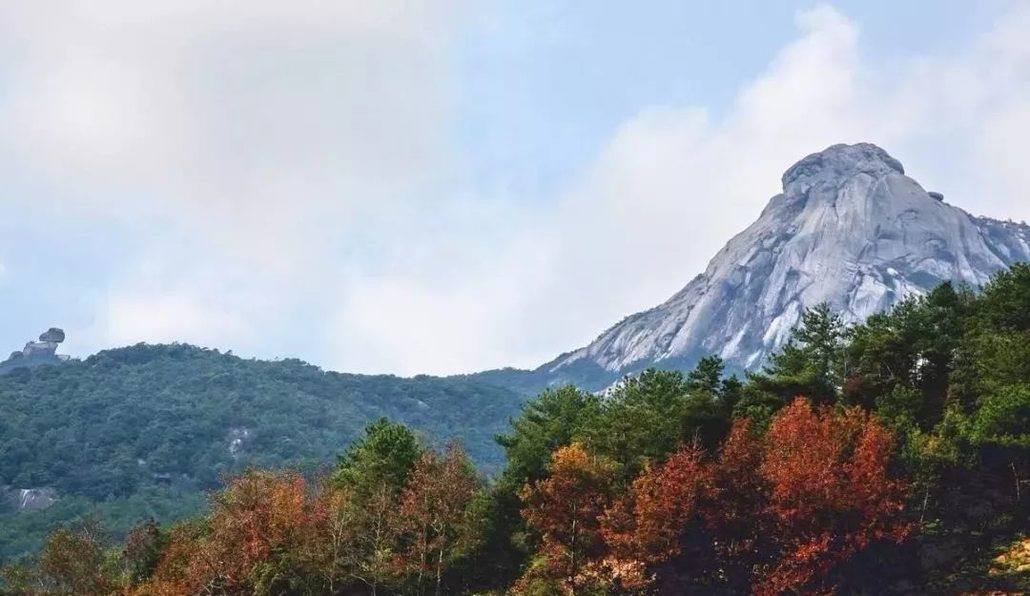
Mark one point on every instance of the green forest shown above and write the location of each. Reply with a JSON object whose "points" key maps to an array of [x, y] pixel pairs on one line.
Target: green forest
{"points": [[145, 431], [891, 456]]}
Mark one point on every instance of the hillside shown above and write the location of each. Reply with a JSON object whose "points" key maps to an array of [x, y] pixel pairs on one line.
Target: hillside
{"points": [[145, 429]]}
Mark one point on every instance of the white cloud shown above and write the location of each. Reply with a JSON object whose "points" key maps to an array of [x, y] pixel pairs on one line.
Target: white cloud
{"points": [[291, 170], [260, 136], [242, 119], [1002, 150]]}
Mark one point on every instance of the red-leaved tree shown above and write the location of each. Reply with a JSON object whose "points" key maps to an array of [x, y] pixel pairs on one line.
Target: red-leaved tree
{"points": [[830, 494], [646, 527], [735, 507]]}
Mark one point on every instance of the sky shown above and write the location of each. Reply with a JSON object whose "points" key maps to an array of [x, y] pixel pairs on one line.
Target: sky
{"points": [[451, 185]]}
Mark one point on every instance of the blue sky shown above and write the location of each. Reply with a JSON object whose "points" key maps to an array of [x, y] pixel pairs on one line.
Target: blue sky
{"points": [[447, 186], [544, 84]]}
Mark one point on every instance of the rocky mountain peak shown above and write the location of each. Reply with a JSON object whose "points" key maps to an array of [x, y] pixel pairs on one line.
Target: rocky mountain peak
{"points": [[849, 229], [840, 162]]}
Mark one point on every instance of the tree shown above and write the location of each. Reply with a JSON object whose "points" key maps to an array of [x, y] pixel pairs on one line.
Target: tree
{"points": [[641, 419], [707, 375], [72, 562], [361, 507], [141, 551], [831, 493], [647, 526], [553, 419], [822, 334], [735, 507], [646, 417], [436, 517], [565, 509], [1003, 418], [186, 563], [335, 531], [811, 363], [256, 526], [1006, 299], [384, 457]]}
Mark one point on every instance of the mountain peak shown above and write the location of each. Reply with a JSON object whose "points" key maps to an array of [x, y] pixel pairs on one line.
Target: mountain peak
{"points": [[841, 161], [850, 229]]}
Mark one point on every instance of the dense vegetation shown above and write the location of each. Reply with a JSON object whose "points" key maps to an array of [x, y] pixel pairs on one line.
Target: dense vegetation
{"points": [[887, 457], [144, 431]]}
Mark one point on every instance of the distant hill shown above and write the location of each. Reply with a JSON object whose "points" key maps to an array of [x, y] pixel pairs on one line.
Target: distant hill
{"points": [[143, 430]]}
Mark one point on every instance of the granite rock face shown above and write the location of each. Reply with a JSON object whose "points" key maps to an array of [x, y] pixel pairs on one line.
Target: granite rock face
{"points": [[850, 228]]}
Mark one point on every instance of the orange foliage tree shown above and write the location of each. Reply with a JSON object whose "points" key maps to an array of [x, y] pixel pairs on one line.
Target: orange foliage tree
{"points": [[185, 563], [646, 526], [772, 514], [268, 533], [831, 493], [72, 561], [258, 522], [335, 530], [780, 513], [566, 508]]}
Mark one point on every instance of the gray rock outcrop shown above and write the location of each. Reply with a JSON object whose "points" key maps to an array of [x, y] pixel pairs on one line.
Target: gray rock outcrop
{"points": [[36, 353], [28, 499]]}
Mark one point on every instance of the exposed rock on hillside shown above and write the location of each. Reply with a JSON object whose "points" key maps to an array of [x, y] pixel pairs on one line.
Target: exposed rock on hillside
{"points": [[36, 353], [27, 499]]}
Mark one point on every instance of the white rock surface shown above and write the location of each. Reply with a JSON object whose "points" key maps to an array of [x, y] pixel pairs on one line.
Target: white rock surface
{"points": [[28, 499], [849, 229]]}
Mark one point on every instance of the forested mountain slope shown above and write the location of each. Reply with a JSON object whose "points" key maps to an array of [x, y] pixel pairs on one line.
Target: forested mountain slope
{"points": [[151, 426]]}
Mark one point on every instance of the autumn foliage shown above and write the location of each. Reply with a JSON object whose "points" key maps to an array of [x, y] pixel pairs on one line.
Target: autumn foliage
{"points": [[274, 533], [783, 511], [566, 509], [915, 421], [256, 524], [646, 525], [437, 521], [830, 492], [780, 511]]}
